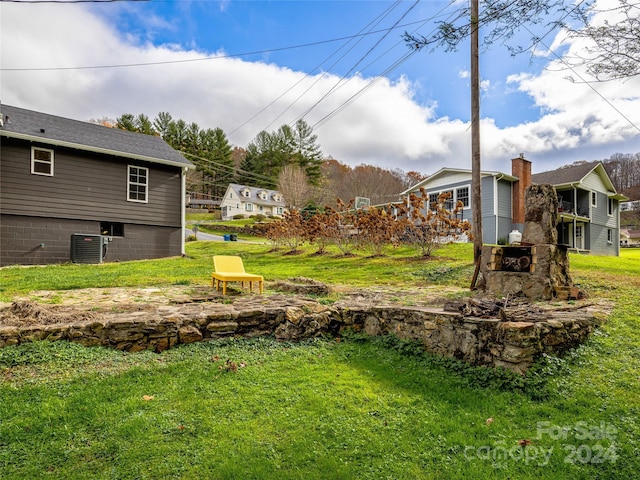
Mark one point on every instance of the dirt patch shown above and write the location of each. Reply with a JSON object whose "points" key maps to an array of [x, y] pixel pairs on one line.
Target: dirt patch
{"points": [[53, 306], [29, 313]]}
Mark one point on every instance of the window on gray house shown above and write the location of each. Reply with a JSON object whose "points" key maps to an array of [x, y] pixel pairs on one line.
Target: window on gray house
{"points": [[610, 207], [137, 184], [462, 195], [41, 161], [449, 202], [433, 200], [112, 229], [594, 199]]}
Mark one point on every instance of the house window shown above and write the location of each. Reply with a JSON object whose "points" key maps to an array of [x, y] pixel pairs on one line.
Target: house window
{"points": [[610, 207], [448, 203], [433, 200], [42, 161], [609, 235], [246, 193], [137, 184], [462, 195], [248, 207], [594, 199], [279, 210], [578, 231], [112, 229]]}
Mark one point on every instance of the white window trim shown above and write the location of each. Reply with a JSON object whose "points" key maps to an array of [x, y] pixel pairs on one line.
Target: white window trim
{"points": [[33, 161], [248, 207], [594, 198], [610, 207], [609, 235], [129, 184], [468, 187]]}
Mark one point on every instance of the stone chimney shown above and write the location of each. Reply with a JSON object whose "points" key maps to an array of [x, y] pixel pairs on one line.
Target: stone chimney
{"points": [[521, 168], [541, 215]]}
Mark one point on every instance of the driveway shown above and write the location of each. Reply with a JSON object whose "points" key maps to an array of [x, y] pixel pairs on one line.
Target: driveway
{"points": [[203, 236]]}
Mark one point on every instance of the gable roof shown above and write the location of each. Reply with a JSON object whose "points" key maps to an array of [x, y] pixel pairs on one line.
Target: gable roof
{"points": [[443, 172], [565, 175], [48, 129], [253, 194], [575, 174]]}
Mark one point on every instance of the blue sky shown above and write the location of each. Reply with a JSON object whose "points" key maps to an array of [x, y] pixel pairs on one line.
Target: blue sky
{"points": [[329, 62], [333, 36]]}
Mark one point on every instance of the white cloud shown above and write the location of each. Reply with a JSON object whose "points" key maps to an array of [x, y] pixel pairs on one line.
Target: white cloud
{"points": [[385, 125]]}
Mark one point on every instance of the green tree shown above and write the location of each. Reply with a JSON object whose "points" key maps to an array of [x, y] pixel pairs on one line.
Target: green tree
{"points": [[126, 121], [216, 161], [162, 124], [144, 125], [269, 153], [307, 152]]}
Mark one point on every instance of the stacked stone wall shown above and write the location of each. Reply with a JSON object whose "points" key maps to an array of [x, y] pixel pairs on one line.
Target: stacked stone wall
{"points": [[478, 341]]}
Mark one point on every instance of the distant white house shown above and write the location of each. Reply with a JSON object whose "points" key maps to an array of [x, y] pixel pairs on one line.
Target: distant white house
{"points": [[629, 238], [248, 201], [632, 205]]}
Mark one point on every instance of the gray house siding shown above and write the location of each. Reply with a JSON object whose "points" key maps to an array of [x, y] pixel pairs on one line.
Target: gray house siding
{"points": [[496, 209], [38, 214], [27, 240], [504, 200], [85, 185], [496, 201]]}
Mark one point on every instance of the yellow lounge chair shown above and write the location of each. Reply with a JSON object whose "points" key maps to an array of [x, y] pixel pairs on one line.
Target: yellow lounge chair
{"points": [[229, 268]]}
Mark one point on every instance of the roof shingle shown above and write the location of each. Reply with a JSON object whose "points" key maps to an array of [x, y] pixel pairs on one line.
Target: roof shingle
{"points": [[51, 129]]}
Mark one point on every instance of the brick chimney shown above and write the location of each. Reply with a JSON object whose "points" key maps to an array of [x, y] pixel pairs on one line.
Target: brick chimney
{"points": [[521, 168]]}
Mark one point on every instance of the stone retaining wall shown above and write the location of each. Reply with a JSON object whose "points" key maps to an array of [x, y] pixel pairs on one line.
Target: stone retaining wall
{"points": [[479, 341]]}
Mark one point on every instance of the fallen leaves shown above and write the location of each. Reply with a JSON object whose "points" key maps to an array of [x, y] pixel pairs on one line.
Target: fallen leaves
{"points": [[229, 365], [147, 398]]}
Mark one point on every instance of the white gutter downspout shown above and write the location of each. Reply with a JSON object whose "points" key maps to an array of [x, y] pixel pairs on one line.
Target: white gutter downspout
{"points": [[575, 217], [495, 202], [183, 209]]}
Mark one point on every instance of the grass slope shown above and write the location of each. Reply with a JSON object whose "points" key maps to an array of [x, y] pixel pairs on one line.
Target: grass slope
{"points": [[355, 408]]}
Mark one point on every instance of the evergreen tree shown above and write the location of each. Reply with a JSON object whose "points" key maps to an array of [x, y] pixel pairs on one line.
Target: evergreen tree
{"points": [[126, 122]]}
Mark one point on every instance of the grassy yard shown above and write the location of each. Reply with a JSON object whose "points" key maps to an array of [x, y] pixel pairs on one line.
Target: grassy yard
{"points": [[322, 409]]}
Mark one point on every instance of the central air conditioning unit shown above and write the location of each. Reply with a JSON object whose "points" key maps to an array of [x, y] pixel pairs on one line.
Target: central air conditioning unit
{"points": [[362, 202], [87, 248]]}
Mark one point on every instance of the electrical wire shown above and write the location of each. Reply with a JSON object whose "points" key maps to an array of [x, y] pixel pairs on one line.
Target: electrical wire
{"points": [[308, 75], [193, 60]]}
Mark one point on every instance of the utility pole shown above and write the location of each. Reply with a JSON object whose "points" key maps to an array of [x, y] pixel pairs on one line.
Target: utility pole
{"points": [[476, 195]]}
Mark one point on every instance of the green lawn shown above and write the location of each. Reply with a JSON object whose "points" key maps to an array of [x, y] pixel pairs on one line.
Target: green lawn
{"points": [[321, 409]]}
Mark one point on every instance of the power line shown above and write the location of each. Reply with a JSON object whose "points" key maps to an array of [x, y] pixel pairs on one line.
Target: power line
{"points": [[388, 70], [190, 60], [309, 74], [377, 20]]}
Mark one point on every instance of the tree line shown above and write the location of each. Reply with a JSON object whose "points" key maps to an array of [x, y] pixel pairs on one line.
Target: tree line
{"points": [[289, 160], [624, 171]]}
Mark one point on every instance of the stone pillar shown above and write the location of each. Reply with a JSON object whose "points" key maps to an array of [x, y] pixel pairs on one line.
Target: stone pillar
{"points": [[541, 215], [521, 168]]}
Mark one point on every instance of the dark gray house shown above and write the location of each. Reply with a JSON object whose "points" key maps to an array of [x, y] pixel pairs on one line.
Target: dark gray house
{"points": [[67, 185]]}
